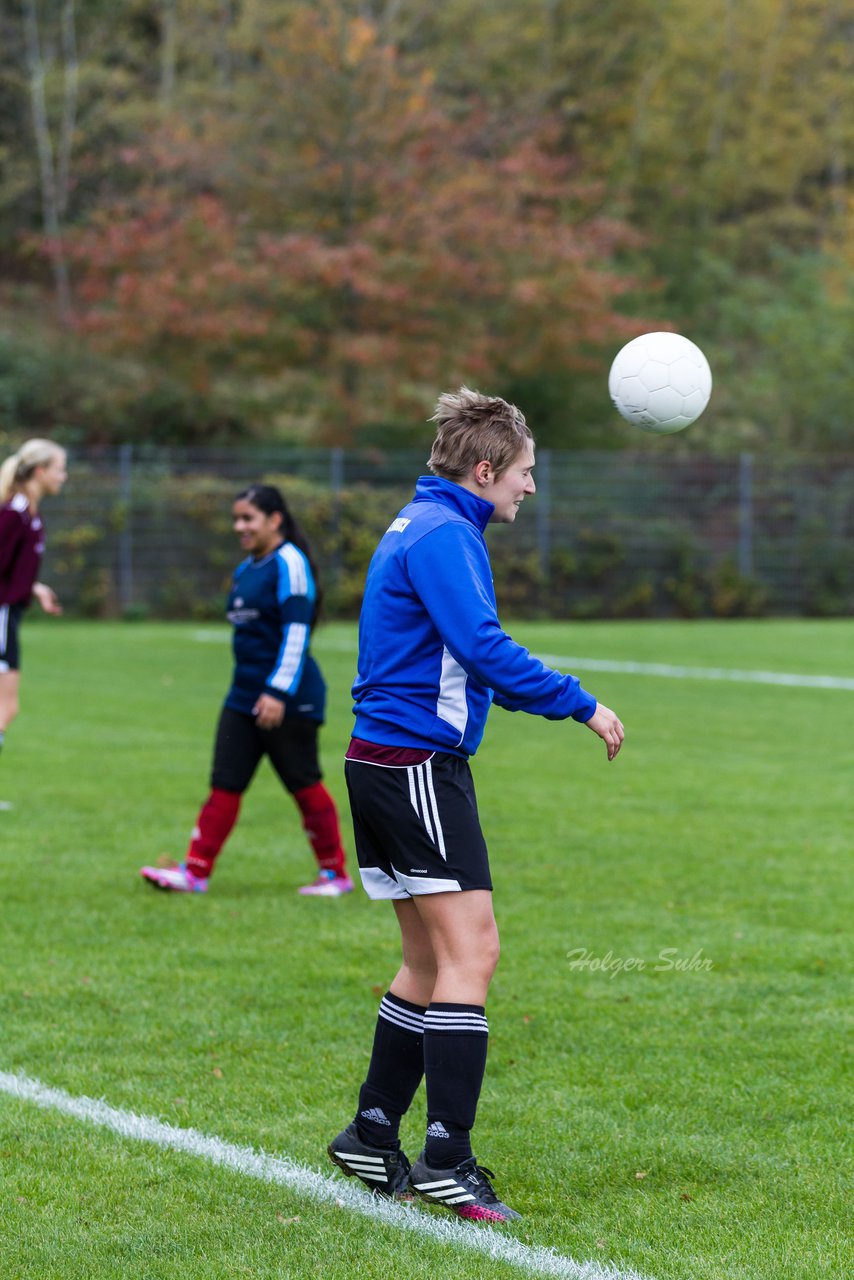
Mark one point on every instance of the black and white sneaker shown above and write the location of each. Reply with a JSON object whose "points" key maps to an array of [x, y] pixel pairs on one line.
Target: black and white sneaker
{"points": [[384, 1169], [466, 1190]]}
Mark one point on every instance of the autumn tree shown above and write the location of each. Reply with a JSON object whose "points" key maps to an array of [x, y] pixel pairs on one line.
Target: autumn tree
{"points": [[306, 216], [366, 239]]}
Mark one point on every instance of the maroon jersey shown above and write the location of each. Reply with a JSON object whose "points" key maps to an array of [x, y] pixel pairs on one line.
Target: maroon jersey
{"points": [[21, 549]]}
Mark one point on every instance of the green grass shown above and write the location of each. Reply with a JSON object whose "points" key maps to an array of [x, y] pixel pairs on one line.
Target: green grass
{"points": [[690, 1123]]}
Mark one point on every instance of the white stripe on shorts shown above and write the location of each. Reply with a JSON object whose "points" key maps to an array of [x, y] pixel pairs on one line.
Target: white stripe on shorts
{"points": [[440, 838], [425, 808], [421, 786], [413, 794], [414, 885], [378, 885]]}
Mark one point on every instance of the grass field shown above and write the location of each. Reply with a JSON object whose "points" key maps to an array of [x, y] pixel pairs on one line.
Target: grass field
{"points": [[665, 1082]]}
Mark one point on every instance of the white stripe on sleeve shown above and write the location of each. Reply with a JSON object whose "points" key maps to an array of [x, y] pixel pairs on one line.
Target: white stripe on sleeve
{"points": [[295, 563], [291, 657]]}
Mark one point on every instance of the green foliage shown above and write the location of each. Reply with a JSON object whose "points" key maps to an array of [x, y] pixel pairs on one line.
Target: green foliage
{"points": [[59, 387], [602, 576], [608, 536], [780, 345]]}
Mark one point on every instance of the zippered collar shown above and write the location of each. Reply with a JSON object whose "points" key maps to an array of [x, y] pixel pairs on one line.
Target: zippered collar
{"points": [[449, 494]]}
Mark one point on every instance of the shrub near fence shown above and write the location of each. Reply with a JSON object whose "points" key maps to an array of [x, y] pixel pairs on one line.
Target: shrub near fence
{"points": [[148, 533]]}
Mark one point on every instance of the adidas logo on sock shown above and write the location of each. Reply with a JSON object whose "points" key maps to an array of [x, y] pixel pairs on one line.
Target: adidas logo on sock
{"points": [[376, 1115], [437, 1130]]}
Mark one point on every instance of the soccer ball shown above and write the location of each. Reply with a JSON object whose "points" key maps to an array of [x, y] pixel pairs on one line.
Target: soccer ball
{"points": [[660, 382]]}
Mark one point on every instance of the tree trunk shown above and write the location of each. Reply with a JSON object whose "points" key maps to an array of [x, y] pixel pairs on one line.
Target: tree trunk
{"points": [[168, 52], [69, 106], [51, 210]]}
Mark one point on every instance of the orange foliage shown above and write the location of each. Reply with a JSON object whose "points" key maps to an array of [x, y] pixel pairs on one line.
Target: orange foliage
{"points": [[374, 240]]}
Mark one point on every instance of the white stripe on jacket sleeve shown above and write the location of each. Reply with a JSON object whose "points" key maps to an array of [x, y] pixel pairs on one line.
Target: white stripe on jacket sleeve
{"points": [[291, 656]]}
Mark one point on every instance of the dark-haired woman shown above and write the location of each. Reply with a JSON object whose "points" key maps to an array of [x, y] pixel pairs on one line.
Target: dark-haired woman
{"points": [[276, 702]]}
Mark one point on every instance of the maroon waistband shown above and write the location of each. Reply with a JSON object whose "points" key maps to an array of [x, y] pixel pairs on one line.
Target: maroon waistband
{"points": [[392, 757]]}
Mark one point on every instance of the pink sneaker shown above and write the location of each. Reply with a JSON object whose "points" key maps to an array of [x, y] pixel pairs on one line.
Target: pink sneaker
{"points": [[176, 878], [327, 885]]}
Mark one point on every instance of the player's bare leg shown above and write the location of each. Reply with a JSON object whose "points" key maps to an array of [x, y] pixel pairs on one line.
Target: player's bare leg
{"points": [[9, 705], [463, 937], [369, 1148], [9, 682], [416, 977], [459, 931]]}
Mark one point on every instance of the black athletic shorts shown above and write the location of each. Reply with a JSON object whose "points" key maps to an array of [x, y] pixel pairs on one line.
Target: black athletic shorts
{"points": [[417, 828], [10, 651], [240, 746]]}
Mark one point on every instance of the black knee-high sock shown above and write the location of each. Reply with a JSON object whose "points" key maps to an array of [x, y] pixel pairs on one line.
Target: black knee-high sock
{"points": [[455, 1042], [397, 1065]]}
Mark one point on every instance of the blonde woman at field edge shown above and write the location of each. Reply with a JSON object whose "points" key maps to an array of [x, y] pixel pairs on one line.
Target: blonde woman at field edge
{"points": [[37, 470], [276, 702], [432, 659]]}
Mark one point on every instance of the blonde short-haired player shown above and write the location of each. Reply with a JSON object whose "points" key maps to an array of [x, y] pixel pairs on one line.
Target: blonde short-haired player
{"points": [[432, 659]]}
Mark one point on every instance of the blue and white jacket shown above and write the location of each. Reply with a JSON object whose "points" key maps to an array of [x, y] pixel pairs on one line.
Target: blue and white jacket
{"points": [[271, 607], [432, 654]]}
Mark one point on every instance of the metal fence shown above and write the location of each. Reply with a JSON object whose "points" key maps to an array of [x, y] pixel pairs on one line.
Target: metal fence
{"points": [[144, 531]]}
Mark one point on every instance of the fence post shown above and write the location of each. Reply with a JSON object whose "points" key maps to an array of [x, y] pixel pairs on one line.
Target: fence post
{"points": [[126, 533], [336, 484], [543, 478], [745, 515]]}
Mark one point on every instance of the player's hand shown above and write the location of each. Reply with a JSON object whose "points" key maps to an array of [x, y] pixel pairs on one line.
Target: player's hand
{"points": [[269, 712], [47, 598], [609, 727]]}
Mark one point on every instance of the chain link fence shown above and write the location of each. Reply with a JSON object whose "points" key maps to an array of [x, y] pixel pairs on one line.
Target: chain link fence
{"points": [[147, 531]]}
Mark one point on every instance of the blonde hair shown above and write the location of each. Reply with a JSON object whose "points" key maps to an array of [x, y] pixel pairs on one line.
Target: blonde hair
{"points": [[473, 428], [16, 470]]}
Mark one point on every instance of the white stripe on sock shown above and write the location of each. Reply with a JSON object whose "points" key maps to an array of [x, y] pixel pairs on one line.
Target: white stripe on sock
{"points": [[442, 1021], [405, 1018]]}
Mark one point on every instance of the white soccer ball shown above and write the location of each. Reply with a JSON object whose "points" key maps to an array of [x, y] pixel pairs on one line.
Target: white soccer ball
{"points": [[660, 382]]}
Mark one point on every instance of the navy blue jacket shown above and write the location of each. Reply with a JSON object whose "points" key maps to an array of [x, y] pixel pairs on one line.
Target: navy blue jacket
{"points": [[432, 654], [271, 607]]}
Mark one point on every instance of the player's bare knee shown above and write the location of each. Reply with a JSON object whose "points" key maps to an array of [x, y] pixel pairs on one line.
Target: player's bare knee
{"points": [[492, 955], [483, 960], [421, 969]]}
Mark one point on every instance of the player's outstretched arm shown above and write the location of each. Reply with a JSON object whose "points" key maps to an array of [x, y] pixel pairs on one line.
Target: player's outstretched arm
{"points": [[608, 726]]}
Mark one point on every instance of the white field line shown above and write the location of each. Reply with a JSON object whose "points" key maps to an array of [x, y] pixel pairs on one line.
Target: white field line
{"points": [[790, 679], [536, 1260]]}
